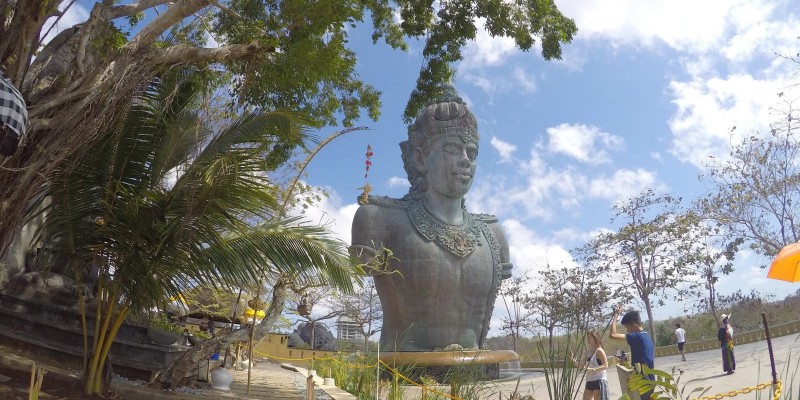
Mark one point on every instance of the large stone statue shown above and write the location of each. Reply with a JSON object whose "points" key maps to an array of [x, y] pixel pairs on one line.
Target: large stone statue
{"points": [[449, 262]]}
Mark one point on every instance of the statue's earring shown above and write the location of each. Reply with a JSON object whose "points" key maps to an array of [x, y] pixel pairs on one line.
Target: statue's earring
{"points": [[419, 161]]}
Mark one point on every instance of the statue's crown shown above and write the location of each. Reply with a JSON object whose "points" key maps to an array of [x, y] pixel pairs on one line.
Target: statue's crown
{"points": [[447, 115]]}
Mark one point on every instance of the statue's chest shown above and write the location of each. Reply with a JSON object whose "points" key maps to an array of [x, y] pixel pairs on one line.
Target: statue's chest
{"points": [[459, 240], [436, 270]]}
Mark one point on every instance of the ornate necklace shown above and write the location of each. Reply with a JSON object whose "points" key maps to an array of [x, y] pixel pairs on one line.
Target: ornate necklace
{"points": [[460, 240]]}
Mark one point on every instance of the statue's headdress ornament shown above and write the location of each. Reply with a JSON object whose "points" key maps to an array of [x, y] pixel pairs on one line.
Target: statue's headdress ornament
{"points": [[447, 115]]}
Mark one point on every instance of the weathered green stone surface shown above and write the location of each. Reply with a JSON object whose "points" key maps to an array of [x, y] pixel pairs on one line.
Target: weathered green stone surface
{"points": [[438, 287]]}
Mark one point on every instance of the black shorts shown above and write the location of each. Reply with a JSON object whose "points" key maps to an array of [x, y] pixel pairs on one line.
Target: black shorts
{"points": [[680, 346], [593, 385]]}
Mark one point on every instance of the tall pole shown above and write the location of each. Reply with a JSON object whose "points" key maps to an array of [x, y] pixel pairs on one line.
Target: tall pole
{"points": [[252, 335], [282, 210], [769, 347], [378, 361]]}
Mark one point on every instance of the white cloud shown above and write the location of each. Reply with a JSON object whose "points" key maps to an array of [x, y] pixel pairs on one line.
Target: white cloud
{"points": [[526, 82], [480, 80], [76, 14], [396, 181], [211, 41], [486, 50], [506, 150], [547, 189], [624, 184], [539, 191], [715, 113], [655, 155], [684, 25], [584, 143], [530, 254], [331, 212], [726, 48]]}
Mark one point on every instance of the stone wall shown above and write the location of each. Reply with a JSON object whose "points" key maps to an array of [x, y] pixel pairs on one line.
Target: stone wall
{"points": [[784, 329], [275, 347], [34, 324]]}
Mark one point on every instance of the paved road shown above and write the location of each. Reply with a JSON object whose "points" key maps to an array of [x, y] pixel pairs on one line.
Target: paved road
{"points": [[704, 369]]}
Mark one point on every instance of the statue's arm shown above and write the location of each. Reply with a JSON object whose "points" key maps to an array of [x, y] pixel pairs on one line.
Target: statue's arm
{"points": [[505, 257]]}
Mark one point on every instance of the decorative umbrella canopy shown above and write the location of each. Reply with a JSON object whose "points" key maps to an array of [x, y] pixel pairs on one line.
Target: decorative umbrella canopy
{"points": [[250, 312], [785, 265], [13, 116]]}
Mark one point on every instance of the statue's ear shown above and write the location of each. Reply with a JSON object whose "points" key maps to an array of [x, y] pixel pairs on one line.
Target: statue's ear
{"points": [[419, 161]]}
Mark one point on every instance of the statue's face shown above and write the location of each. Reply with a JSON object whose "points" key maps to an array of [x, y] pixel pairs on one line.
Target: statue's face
{"points": [[450, 165]]}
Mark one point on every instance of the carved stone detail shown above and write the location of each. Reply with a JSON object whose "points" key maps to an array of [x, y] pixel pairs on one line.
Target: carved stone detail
{"points": [[459, 240]]}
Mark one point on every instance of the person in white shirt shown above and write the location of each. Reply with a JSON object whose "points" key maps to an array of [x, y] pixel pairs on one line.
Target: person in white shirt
{"points": [[680, 339], [595, 363]]}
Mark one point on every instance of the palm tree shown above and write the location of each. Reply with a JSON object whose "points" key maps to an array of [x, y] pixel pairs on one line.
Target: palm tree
{"points": [[164, 204]]}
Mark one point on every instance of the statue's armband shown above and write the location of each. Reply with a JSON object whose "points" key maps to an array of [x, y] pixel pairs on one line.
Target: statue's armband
{"points": [[505, 270]]}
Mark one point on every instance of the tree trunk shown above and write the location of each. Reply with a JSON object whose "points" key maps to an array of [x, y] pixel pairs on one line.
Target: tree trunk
{"points": [[514, 339], [175, 374], [75, 92], [650, 323], [712, 305]]}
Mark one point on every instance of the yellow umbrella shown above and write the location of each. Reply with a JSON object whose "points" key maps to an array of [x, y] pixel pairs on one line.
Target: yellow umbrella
{"points": [[785, 265]]}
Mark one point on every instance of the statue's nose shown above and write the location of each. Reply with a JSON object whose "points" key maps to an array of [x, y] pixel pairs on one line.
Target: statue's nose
{"points": [[463, 158]]}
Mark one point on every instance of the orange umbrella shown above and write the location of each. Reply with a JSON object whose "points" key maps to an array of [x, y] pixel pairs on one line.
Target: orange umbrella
{"points": [[785, 265]]}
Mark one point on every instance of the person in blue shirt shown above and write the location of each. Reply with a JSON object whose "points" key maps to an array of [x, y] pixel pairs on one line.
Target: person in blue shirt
{"points": [[642, 350]]}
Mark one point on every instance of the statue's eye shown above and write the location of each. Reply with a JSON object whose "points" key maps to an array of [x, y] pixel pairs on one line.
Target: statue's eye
{"points": [[452, 149], [472, 153]]}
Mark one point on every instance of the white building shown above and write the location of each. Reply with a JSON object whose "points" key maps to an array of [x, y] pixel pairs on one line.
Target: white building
{"points": [[346, 329]]}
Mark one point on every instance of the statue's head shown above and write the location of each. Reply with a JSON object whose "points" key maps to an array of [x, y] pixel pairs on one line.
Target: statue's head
{"points": [[445, 121]]}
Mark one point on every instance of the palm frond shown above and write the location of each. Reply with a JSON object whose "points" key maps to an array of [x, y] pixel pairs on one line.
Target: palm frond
{"points": [[155, 239]]}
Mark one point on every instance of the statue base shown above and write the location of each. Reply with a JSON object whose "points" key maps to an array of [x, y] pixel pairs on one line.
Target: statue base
{"points": [[448, 365]]}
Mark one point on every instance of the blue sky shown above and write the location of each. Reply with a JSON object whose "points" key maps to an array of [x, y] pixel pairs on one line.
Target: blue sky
{"points": [[644, 95], [647, 92]]}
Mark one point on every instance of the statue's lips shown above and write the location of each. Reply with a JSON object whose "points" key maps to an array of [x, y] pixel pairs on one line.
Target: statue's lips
{"points": [[463, 175]]}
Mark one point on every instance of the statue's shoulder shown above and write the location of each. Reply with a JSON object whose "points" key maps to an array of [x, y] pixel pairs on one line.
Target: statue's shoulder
{"points": [[491, 222], [388, 202], [380, 208], [485, 218]]}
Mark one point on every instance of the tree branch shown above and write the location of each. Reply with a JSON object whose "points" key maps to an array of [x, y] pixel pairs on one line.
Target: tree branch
{"points": [[161, 23], [184, 53], [43, 107], [133, 8]]}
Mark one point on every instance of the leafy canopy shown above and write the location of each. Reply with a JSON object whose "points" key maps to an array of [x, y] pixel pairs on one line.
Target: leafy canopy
{"points": [[164, 204]]}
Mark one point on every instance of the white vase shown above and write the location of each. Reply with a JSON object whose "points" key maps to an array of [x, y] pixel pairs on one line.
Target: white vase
{"points": [[221, 379]]}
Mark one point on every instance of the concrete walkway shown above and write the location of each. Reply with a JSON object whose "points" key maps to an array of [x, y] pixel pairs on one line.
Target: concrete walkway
{"points": [[268, 381], [271, 381], [702, 370]]}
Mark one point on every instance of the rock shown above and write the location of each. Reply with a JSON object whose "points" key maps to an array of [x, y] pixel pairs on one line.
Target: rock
{"points": [[323, 338]]}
